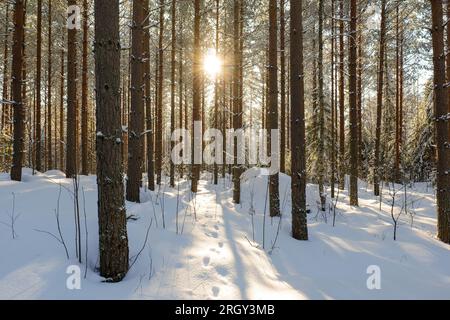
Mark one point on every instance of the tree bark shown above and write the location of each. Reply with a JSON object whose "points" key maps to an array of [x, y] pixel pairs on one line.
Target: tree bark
{"points": [[159, 113], [321, 138], [398, 96], [49, 92], [333, 103], [196, 103], [237, 93], [360, 98], [448, 58], [5, 95], [172, 91], [19, 109], [72, 112], [84, 94], [137, 104], [38, 134], [216, 94], [441, 123], [298, 142], [380, 86], [342, 166], [113, 239], [148, 104], [181, 82], [61, 111], [283, 87], [274, 194], [353, 105]]}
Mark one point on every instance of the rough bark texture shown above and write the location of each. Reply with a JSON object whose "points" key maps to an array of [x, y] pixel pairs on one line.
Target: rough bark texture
{"points": [[216, 93], [5, 95], [61, 112], [159, 113], [72, 128], [353, 105], [172, 90], [237, 116], [196, 103], [448, 58], [49, 92], [441, 123], [19, 109], [398, 96], [333, 103], [180, 82], [376, 173], [84, 94], [274, 193], [342, 166], [148, 105], [37, 115], [111, 207], [298, 143], [137, 104], [282, 87], [321, 138], [359, 99]]}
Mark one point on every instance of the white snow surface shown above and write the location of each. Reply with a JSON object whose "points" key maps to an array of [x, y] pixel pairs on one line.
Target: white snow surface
{"points": [[215, 256]]}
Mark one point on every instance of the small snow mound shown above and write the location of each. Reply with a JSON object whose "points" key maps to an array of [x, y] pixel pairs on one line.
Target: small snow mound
{"points": [[55, 174]]}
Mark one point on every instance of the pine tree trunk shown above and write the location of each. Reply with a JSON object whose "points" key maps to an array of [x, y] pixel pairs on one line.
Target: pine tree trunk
{"points": [[298, 142], [321, 138], [181, 83], [38, 153], [235, 95], [172, 92], [441, 123], [398, 124], [333, 102], [216, 95], [353, 105], [448, 58], [18, 106], [359, 99], [283, 87], [5, 95], [72, 112], [376, 173], [148, 104], [49, 92], [265, 90], [159, 113], [137, 104], [84, 94], [342, 166], [61, 112], [196, 104], [111, 207], [274, 194]]}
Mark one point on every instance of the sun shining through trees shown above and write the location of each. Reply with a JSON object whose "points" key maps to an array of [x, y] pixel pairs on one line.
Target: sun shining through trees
{"points": [[260, 132], [212, 64]]}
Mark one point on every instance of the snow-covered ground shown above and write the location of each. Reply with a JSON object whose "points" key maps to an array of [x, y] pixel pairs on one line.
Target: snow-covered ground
{"points": [[218, 252]]}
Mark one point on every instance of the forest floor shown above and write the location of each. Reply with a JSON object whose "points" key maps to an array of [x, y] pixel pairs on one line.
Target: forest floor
{"points": [[218, 252]]}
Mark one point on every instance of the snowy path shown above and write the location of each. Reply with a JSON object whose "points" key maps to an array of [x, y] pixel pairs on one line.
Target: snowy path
{"points": [[219, 263]]}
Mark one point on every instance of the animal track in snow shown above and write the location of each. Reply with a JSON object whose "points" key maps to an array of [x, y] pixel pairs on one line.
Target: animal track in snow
{"points": [[215, 291], [223, 271], [212, 234]]}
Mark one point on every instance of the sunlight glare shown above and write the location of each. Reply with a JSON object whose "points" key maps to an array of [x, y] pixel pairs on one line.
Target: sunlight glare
{"points": [[212, 64]]}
